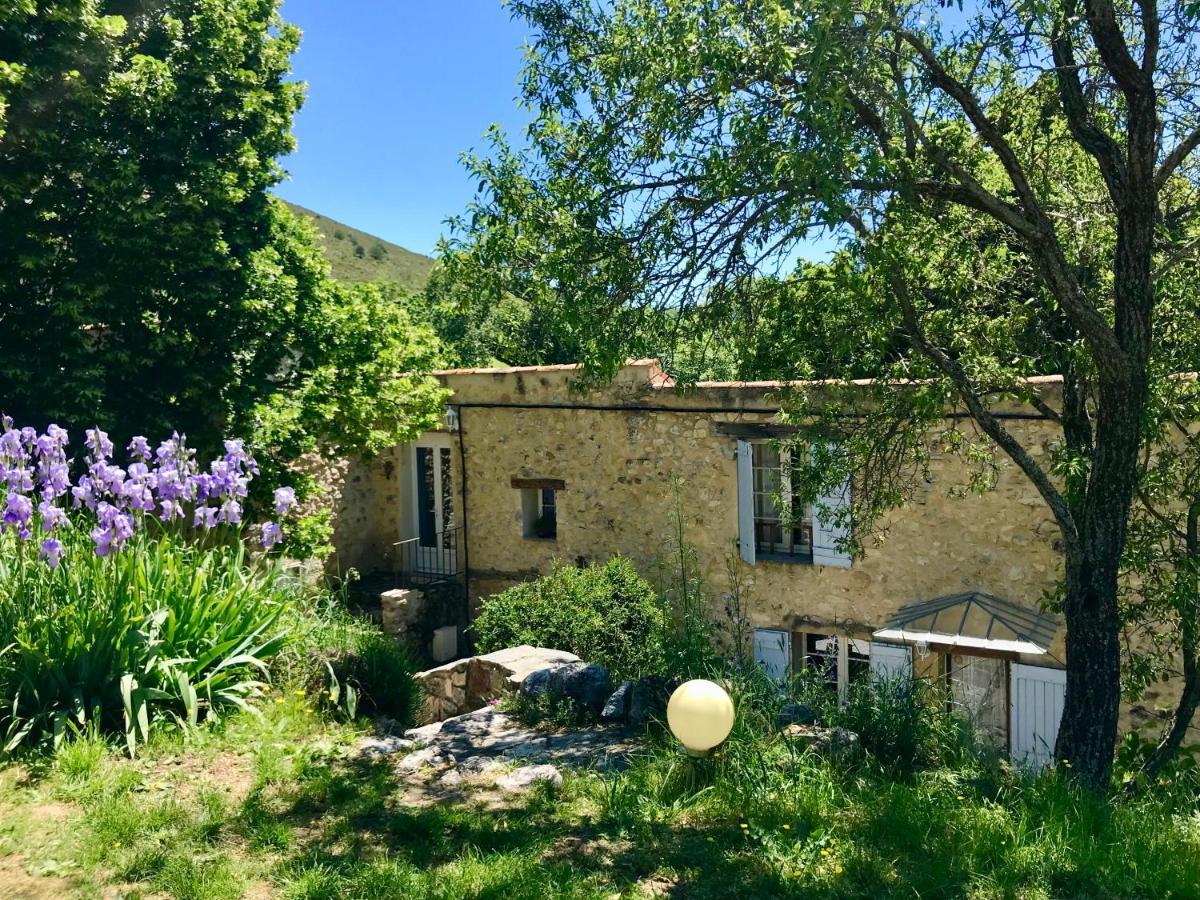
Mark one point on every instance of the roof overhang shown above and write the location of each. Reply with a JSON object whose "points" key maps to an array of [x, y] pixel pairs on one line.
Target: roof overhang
{"points": [[972, 621], [949, 641]]}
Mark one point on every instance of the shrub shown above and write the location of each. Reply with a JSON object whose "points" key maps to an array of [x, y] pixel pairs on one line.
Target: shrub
{"points": [[905, 725], [346, 660], [606, 614]]}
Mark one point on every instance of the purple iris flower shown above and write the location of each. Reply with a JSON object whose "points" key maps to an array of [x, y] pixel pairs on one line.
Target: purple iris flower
{"points": [[55, 479], [272, 534], [285, 499], [52, 516], [139, 448], [19, 478], [84, 493], [205, 517], [99, 444], [51, 552], [18, 510], [231, 512]]}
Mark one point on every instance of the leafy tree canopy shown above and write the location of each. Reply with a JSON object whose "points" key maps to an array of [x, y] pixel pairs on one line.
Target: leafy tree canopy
{"points": [[150, 281], [1015, 188]]}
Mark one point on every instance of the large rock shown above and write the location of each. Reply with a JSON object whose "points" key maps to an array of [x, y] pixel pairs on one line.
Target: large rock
{"points": [[616, 707], [524, 778], [429, 758], [796, 714], [828, 741], [467, 684], [584, 684], [536, 683], [648, 700], [379, 747]]}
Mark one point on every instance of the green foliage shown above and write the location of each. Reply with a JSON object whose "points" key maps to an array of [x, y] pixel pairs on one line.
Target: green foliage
{"points": [[606, 614], [153, 278], [547, 711], [314, 820], [161, 631], [347, 662], [906, 725]]}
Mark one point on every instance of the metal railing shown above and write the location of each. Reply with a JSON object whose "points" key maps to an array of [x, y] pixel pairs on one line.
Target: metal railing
{"points": [[437, 557]]}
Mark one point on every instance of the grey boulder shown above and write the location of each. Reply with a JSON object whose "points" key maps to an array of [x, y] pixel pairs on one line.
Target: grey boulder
{"points": [[616, 707], [796, 714], [524, 778], [586, 684]]}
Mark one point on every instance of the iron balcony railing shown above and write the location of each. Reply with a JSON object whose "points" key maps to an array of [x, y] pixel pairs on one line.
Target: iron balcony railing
{"points": [[431, 558]]}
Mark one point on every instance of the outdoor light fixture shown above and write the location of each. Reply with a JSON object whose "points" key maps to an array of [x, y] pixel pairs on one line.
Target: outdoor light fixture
{"points": [[700, 714]]}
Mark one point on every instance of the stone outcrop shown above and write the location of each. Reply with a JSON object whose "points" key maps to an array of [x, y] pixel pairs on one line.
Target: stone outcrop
{"points": [[587, 685], [467, 684], [831, 741], [796, 714], [616, 707], [524, 778]]}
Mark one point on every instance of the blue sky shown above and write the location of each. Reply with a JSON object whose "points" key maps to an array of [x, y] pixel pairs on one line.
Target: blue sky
{"points": [[397, 89]]}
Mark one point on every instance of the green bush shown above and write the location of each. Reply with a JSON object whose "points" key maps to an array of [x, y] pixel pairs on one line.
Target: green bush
{"points": [[605, 614], [346, 660], [161, 630]]}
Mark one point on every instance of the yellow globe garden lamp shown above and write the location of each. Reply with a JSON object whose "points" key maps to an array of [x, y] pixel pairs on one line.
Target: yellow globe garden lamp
{"points": [[700, 715]]}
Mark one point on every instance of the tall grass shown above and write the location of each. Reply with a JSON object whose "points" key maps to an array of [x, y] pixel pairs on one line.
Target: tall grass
{"points": [[161, 630]]}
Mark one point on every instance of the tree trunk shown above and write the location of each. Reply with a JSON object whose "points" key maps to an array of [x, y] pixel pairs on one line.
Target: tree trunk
{"points": [[1088, 731]]}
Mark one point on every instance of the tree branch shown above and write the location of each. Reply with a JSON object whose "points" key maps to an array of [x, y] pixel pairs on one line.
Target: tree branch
{"points": [[1091, 137], [1176, 157], [991, 425]]}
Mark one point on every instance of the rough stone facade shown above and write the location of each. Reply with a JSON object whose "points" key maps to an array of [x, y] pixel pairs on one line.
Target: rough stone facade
{"points": [[627, 453]]}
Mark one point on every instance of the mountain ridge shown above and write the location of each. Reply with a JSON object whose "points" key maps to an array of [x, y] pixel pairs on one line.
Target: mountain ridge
{"points": [[357, 255]]}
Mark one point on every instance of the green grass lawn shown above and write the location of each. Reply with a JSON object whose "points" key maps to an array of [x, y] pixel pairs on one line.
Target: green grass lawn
{"points": [[273, 806]]}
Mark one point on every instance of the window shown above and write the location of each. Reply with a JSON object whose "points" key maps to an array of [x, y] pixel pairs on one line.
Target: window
{"points": [[435, 497], [775, 524], [539, 513], [840, 660], [783, 523]]}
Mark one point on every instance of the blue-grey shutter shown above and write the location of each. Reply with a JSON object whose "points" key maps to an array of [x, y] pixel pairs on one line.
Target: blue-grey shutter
{"points": [[1037, 695], [745, 488], [773, 651], [828, 532]]}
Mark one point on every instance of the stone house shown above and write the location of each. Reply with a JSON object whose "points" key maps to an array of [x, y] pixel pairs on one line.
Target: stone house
{"points": [[528, 471]]}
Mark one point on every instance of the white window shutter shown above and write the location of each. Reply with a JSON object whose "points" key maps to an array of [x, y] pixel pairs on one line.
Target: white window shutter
{"points": [[890, 662], [828, 533], [745, 488], [773, 651], [1036, 694]]}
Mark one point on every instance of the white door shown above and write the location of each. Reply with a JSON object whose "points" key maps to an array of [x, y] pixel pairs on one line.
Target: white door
{"points": [[890, 662], [1037, 694], [773, 651], [434, 507]]}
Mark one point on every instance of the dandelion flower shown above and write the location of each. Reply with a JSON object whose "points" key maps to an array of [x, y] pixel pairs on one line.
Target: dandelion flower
{"points": [[837, 870], [787, 827]]}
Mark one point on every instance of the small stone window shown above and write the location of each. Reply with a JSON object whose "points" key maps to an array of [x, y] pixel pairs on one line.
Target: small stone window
{"points": [[539, 507]]}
